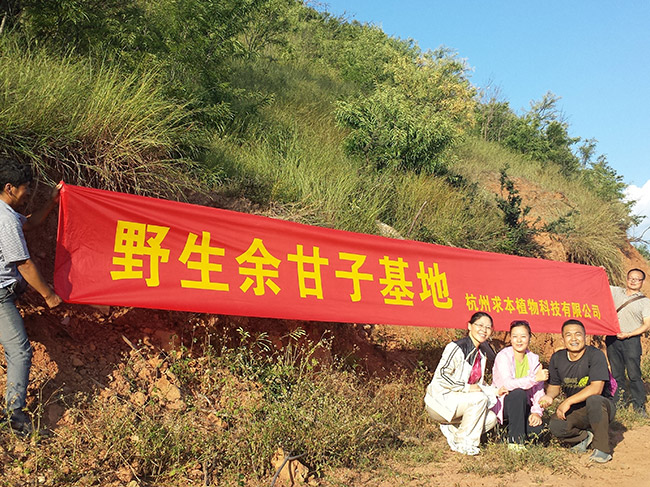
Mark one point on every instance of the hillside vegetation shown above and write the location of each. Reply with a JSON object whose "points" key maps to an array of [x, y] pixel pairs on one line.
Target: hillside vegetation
{"points": [[328, 122], [302, 116]]}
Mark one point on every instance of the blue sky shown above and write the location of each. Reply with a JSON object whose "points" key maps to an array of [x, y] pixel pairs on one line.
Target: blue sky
{"points": [[593, 54]]}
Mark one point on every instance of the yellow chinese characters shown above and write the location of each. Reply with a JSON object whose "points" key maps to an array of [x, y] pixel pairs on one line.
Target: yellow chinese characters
{"points": [[533, 307], [434, 286], [315, 261], [396, 285], [139, 253], [203, 264], [261, 260], [354, 274], [135, 241]]}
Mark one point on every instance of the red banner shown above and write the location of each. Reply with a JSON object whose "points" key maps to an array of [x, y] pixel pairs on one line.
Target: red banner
{"points": [[125, 250]]}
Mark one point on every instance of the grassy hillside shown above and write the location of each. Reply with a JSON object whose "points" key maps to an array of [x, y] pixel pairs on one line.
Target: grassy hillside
{"points": [[293, 159], [308, 116], [305, 117]]}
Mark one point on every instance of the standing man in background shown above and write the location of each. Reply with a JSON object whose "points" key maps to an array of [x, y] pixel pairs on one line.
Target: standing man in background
{"points": [[624, 348], [17, 269]]}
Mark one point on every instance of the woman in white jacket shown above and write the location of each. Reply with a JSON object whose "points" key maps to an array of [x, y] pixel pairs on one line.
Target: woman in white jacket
{"points": [[457, 397]]}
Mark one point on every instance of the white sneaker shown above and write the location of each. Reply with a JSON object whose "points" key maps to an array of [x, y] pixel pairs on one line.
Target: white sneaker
{"points": [[584, 444], [466, 449], [449, 430], [599, 456]]}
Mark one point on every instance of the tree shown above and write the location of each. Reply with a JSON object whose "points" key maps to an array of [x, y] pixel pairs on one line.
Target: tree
{"points": [[599, 175], [543, 134], [413, 117], [81, 25], [587, 151], [494, 118], [364, 53], [520, 236], [269, 25], [605, 181], [389, 130]]}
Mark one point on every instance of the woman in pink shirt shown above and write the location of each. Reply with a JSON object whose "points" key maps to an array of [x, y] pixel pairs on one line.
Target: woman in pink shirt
{"points": [[519, 371]]}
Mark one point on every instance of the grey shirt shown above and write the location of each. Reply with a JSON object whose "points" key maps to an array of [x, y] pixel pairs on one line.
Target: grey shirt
{"points": [[13, 247], [631, 317]]}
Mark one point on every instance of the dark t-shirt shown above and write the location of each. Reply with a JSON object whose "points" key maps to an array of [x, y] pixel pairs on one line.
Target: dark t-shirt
{"points": [[575, 376]]}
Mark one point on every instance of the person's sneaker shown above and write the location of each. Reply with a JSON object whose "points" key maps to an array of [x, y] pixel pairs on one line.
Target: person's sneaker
{"points": [[517, 448], [20, 423], [466, 449], [584, 444], [450, 433], [599, 456]]}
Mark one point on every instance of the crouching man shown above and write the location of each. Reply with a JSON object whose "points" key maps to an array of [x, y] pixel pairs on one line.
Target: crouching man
{"points": [[582, 419]]}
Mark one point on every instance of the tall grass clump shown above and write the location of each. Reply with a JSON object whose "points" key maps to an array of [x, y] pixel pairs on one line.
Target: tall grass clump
{"points": [[594, 234], [92, 124], [429, 209], [300, 170]]}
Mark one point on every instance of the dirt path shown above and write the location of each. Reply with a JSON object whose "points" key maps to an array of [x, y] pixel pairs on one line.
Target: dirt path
{"points": [[629, 467]]}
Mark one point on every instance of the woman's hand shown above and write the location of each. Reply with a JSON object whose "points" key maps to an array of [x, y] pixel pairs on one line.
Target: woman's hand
{"points": [[534, 419], [502, 391], [541, 374], [545, 401]]}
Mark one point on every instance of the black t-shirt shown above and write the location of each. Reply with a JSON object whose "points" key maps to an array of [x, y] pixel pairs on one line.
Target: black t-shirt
{"points": [[575, 376]]}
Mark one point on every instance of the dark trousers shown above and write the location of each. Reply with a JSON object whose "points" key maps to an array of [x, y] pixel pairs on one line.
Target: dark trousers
{"points": [[625, 355], [595, 415], [516, 411]]}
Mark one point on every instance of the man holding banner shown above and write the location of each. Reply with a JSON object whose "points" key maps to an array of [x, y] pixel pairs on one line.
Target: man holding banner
{"points": [[16, 271], [624, 348]]}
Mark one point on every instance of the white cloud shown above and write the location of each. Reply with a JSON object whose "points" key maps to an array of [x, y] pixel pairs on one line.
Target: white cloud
{"points": [[641, 207]]}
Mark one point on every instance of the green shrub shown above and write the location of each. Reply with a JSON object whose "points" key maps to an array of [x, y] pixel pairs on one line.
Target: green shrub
{"points": [[410, 121]]}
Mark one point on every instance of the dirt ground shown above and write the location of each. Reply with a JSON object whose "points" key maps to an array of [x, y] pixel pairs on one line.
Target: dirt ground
{"points": [[628, 465], [77, 349]]}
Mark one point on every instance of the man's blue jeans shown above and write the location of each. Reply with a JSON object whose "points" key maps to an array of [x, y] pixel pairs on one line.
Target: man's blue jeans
{"points": [[18, 350]]}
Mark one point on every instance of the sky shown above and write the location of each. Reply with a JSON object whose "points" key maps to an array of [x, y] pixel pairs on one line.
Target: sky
{"points": [[594, 54]]}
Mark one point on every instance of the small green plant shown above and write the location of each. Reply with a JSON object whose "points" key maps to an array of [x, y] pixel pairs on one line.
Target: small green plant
{"points": [[520, 236]]}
